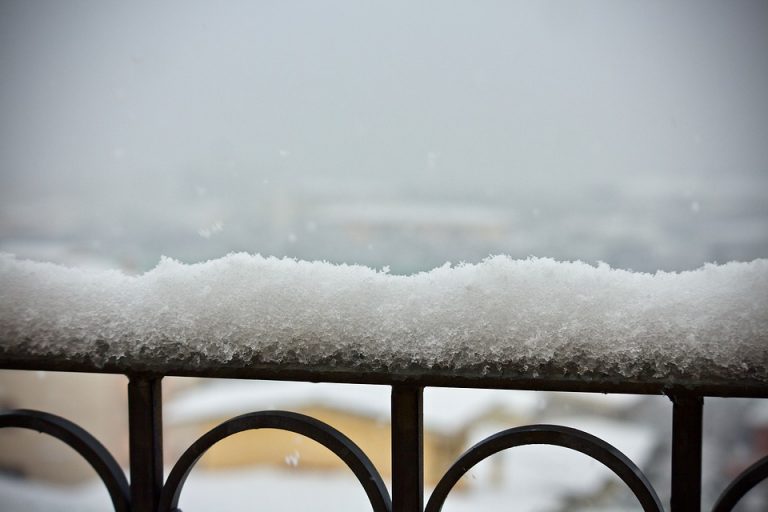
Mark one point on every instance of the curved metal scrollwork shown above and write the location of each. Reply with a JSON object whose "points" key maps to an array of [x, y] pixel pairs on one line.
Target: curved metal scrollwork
{"points": [[81, 441], [566, 437], [743, 483], [314, 429]]}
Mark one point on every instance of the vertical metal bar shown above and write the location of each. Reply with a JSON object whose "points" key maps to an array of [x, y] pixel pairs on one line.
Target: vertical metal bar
{"points": [[407, 449], [687, 412], [145, 422]]}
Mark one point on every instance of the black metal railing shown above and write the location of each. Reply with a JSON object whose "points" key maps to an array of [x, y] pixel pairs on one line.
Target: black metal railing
{"points": [[147, 492]]}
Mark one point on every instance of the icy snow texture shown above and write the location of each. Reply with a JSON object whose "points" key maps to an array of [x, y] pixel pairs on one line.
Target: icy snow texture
{"points": [[532, 317]]}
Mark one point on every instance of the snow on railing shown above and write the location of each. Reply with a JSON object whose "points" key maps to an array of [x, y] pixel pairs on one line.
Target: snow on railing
{"points": [[501, 319], [503, 323]]}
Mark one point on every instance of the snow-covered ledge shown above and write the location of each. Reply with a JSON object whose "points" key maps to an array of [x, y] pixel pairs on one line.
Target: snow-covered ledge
{"points": [[533, 323]]}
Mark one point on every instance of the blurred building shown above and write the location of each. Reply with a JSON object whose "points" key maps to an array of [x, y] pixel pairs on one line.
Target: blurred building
{"points": [[360, 412], [96, 402]]}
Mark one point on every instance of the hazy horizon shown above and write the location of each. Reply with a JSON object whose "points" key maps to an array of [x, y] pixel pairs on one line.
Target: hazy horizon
{"points": [[630, 132]]}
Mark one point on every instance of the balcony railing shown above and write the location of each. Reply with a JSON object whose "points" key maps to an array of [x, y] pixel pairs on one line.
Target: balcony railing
{"points": [[502, 324], [147, 492]]}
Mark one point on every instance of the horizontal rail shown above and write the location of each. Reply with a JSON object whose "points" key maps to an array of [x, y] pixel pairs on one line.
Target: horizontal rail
{"points": [[748, 385]]}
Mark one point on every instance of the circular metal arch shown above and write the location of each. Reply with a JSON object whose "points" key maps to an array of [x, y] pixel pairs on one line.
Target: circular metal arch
{"points": [[82, 442], [307, 426], [555, 435], [743, 483]]}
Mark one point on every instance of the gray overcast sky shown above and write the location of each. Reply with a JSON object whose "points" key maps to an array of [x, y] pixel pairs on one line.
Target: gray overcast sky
{"points": [[116, 105]]}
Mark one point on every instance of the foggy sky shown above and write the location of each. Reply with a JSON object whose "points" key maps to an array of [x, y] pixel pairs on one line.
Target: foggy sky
{"points": [[124, 110]]}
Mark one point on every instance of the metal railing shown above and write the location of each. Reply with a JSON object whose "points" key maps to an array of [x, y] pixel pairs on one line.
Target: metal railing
{"points": [[147, 492]]}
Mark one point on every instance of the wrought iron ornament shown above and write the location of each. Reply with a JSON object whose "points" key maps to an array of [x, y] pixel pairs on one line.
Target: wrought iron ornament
{"points": [[147, 492]]}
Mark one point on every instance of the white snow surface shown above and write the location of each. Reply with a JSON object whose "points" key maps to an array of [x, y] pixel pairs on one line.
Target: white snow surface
{"points": [[533, 314]]}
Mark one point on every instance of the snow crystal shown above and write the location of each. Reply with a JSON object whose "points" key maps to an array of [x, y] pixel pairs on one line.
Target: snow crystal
{"points": [[432, 159], [499, 318], [293, 458], [209, 231]]}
